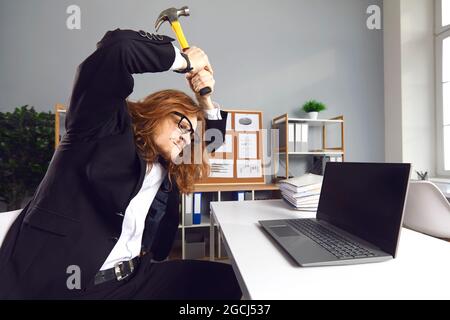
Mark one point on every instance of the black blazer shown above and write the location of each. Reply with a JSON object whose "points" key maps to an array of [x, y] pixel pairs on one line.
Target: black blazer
{"points": [[76, 214]]}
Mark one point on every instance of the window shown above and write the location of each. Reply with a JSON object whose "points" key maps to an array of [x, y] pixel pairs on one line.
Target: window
{"points": [[445, 13], [443, 86]]}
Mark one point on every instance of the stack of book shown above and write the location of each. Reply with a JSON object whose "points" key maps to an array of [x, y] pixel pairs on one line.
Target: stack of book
{"points": [[302, 192]]}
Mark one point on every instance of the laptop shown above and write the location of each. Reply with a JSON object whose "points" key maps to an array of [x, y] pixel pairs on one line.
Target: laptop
{"points": [[358, 219]]}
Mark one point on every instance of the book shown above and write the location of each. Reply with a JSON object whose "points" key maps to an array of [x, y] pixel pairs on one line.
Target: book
{"points": [[188, 209], [303, 193], [305, 182], [197, 208], [314, 209], [306, 206], [308, 200], [301, 137], [288, 141]]}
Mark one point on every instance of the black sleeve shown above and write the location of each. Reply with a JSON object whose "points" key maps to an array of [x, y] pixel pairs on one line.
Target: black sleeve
{"points": [[219, 125], [104, 80]]}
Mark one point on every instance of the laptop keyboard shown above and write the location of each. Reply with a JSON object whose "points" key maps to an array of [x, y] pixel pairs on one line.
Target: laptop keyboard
{"points": [[340, 247]]}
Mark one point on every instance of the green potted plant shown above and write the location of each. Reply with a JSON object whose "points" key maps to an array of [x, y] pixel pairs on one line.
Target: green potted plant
{"points": [[26, 148], [313, 107]]}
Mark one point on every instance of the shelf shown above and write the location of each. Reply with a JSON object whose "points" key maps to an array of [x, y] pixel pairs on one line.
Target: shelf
{"points": [[311, 122], [206, 222], [203, 224], [234, 187], [318, 122], [219, 192], [338, 153]]}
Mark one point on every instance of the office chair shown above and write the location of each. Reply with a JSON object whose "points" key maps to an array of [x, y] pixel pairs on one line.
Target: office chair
{"points": [[6, 220], [427, 210]]}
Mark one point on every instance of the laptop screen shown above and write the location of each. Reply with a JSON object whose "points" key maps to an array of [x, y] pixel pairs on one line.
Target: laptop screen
{"points": [[366, 200]]}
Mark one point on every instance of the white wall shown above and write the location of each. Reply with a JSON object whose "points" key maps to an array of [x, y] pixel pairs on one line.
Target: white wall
{"points": [[292, 51], [267, 55], [409, 83], [418, 89]]}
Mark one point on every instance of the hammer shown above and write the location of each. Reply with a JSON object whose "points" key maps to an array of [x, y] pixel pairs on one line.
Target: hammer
{"points": [[172, 15]]}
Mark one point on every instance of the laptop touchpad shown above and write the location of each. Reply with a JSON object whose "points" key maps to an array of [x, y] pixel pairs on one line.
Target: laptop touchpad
{"points": [[284, 231]]}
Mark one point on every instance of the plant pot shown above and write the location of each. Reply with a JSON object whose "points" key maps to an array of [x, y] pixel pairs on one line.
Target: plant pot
{"points": [[313, 115]]}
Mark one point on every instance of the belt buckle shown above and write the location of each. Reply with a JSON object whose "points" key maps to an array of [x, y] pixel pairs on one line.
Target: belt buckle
{"points": [[118, 270]]}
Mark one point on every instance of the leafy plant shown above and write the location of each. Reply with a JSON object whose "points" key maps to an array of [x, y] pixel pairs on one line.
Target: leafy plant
{"points": [[313, 106], [26, 148], [422, 175]]}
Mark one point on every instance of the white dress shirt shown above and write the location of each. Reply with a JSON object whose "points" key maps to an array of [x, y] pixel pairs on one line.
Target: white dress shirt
{"points": [[179, 60], [129, 244]]}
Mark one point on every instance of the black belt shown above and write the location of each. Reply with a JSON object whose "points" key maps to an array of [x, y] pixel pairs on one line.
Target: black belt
{"points": [[120, 271]]}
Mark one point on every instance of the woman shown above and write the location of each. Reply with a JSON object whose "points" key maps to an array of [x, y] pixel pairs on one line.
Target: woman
{"points": [[107, 208]]}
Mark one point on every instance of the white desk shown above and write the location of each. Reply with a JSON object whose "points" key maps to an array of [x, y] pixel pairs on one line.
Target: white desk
{"points": [[420, 271]]}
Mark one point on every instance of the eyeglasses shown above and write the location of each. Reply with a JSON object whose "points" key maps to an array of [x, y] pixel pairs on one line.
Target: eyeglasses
{"points": [[184, 124]]}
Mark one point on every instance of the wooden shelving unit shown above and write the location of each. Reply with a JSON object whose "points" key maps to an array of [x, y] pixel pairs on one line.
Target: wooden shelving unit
{"points": [[284, 121], [219, 189]]}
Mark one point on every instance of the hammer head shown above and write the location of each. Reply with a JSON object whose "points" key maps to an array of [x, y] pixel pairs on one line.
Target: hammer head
{"points": [[171, 15]]}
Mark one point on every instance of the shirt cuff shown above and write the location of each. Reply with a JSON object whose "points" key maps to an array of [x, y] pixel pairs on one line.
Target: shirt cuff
{"points": [[179, 61], [213, 114]]}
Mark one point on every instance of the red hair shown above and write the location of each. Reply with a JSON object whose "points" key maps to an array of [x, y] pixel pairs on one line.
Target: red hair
{"points": [[147, 113]]}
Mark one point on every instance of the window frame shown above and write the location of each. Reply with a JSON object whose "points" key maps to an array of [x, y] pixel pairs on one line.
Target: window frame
{"points": [[441, 33], [438, 18]]}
